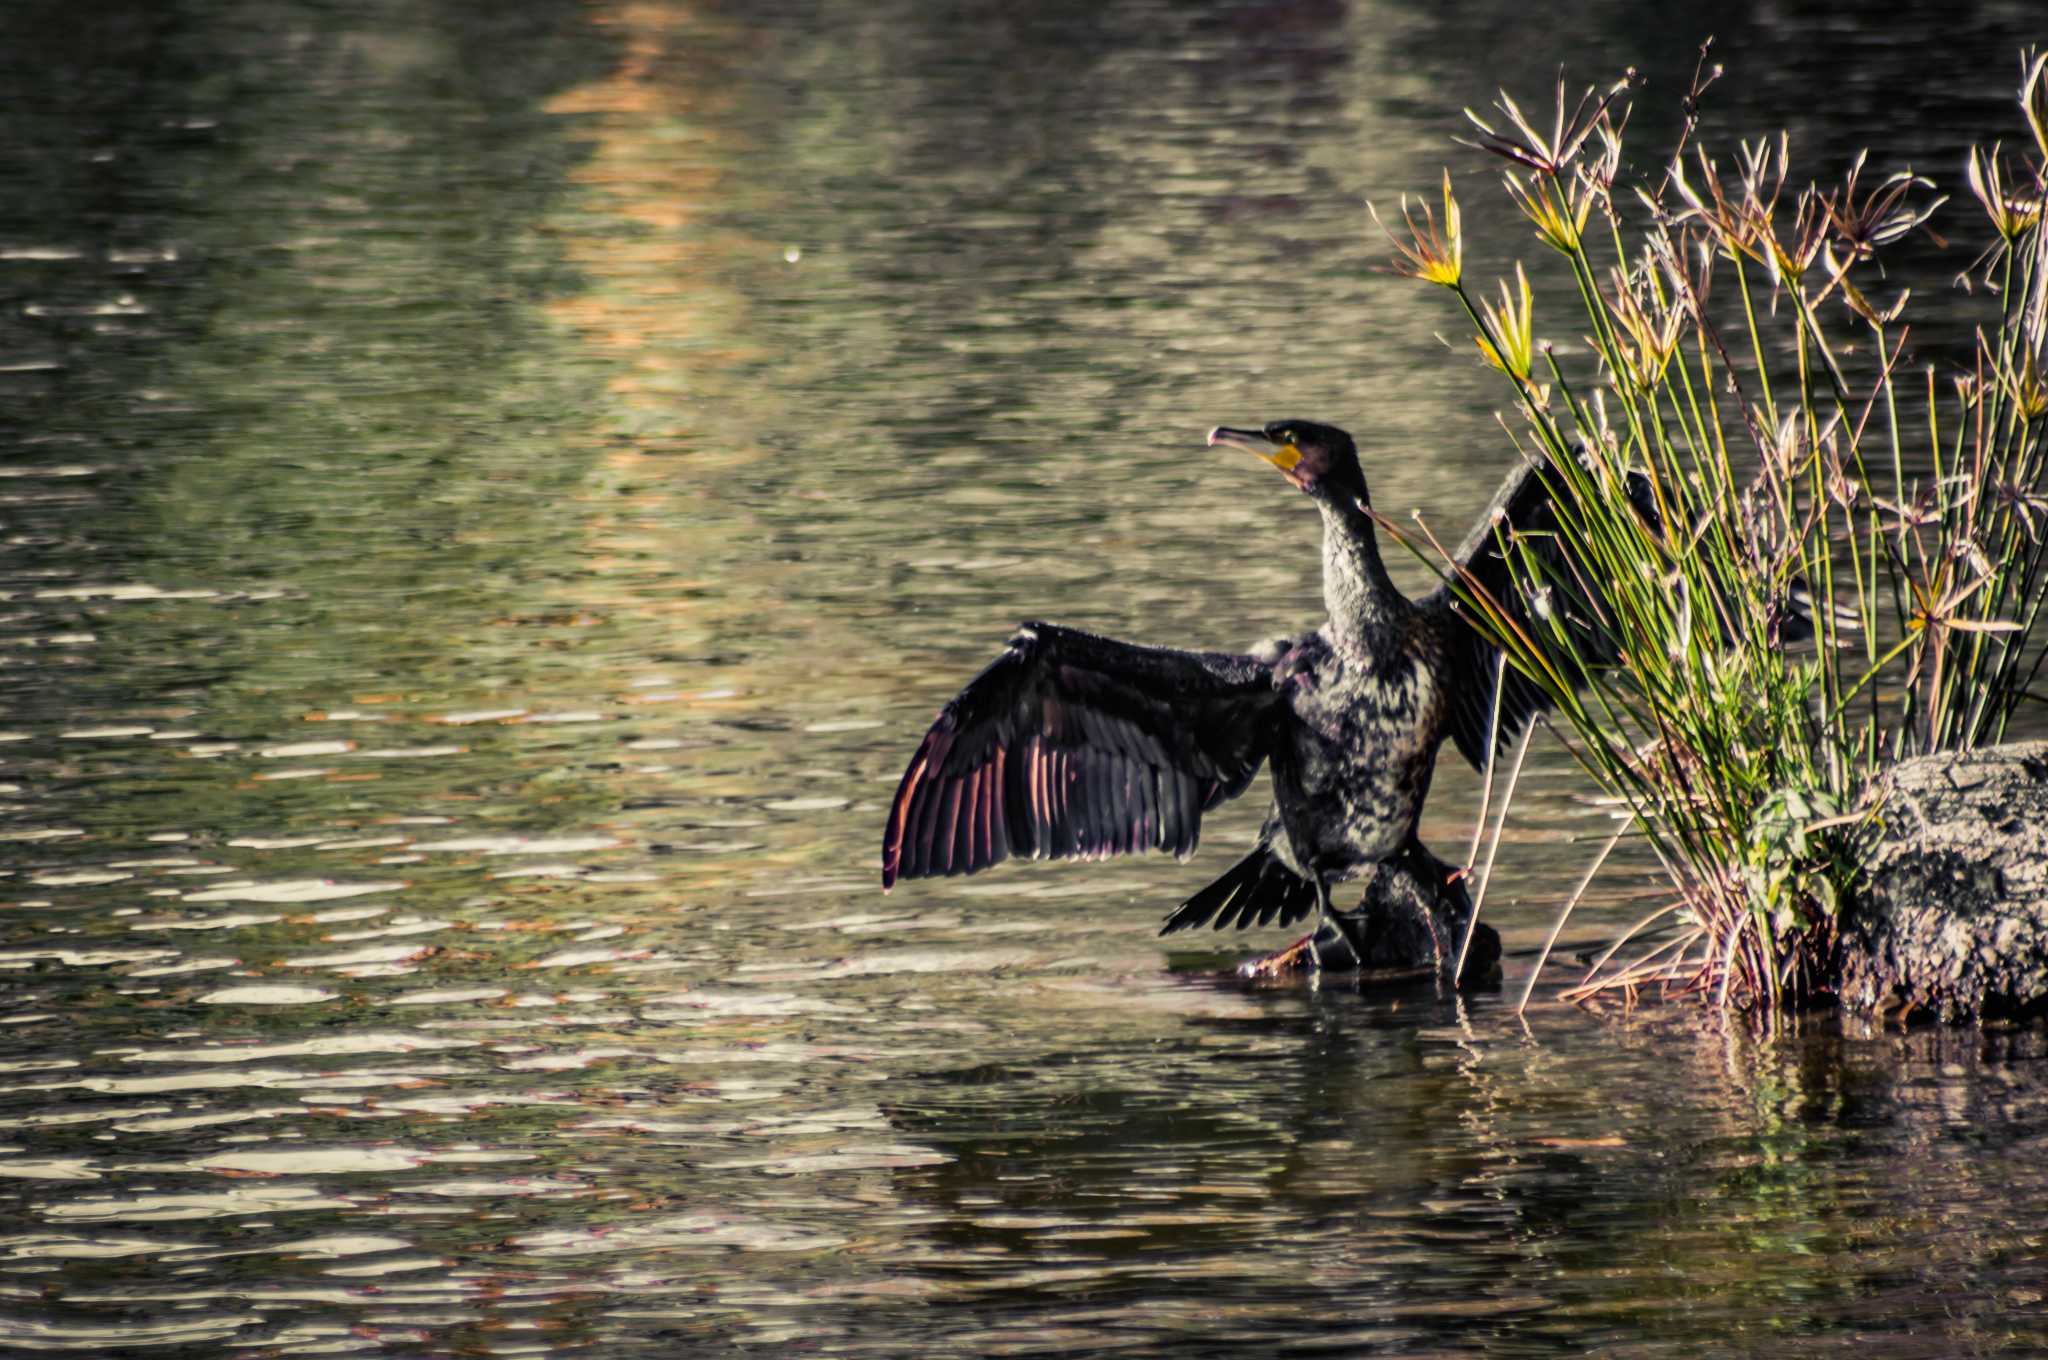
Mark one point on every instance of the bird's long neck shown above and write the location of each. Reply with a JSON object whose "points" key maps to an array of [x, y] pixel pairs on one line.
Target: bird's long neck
{"points": [[1356, 589]]}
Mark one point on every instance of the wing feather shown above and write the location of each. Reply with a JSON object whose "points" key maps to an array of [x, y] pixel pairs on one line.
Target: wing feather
{"points": [[1522, 510], [988, 822], [1188, 807], [1072, 745], [964, 827]]}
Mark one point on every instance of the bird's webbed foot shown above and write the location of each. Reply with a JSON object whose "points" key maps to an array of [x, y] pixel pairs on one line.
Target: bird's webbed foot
{"points": [[1296, 958], [1341, 940]]}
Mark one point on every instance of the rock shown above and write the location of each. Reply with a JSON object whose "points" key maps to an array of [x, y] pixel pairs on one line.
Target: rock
{"points": [[1953, 919], [1409, 921]]}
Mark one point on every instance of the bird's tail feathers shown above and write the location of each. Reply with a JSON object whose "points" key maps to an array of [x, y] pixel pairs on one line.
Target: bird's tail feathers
{"points": [[1254, 891]]}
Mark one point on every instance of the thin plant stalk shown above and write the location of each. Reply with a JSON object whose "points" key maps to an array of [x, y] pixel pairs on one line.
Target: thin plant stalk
{"points": [[1557, 926], [1500, 821]]}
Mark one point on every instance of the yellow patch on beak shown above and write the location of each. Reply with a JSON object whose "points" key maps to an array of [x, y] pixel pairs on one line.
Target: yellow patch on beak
{"points": [[1285, 457]]}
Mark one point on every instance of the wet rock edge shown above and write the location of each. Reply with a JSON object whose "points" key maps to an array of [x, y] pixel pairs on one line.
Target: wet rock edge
{"points": [[1953, 920]]}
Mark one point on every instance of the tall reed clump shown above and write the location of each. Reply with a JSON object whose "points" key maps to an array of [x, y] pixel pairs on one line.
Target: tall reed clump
{"points": [[1835, 553]]}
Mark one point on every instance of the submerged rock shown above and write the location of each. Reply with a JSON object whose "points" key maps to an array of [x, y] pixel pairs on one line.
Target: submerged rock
{"points": [[1953, 921]]}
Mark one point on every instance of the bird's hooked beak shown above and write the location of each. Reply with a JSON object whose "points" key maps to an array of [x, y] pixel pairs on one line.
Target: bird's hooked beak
{"points": [[1286, 457]]}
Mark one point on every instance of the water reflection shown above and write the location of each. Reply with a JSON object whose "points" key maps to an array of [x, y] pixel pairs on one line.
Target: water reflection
{"points": [[489, 498]]}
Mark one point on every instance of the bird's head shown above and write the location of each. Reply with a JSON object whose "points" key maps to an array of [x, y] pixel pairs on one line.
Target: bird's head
{"points": [[1319, 459]]}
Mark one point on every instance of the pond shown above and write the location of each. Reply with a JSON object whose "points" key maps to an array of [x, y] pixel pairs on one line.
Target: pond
{"points": [[492, 496]]}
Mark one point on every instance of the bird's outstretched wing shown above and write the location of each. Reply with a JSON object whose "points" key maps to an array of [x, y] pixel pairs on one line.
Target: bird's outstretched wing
{"points": [[1523, 508], [1073, 746]]}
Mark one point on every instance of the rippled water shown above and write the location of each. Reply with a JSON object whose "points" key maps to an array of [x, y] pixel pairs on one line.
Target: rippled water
{"points": [[491, 496]]}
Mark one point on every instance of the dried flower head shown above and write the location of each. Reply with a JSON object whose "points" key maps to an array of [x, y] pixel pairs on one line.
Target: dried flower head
{"points": [[1881, 216], [1927, 505], [2010, 216], [1842, 489], [1647, 326], [1788, 262], [1548, 153], [1605, 167], [2029, 508], [1739, 223], [1781, 444]]}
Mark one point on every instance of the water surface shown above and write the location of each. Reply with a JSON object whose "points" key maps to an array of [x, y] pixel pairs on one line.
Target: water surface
{"points": [[492, 498]]}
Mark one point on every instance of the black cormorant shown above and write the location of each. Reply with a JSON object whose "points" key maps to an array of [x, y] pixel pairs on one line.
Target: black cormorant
{"points": [[1074, 746]]}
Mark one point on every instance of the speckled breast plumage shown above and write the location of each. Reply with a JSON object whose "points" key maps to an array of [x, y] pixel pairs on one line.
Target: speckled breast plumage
{"points": [[1378, 698]]}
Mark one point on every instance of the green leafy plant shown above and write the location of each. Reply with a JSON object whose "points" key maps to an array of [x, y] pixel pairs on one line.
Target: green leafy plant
{"points": [[1804, 553]]}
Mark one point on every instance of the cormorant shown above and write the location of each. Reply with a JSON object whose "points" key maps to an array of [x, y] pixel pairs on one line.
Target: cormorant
{"points": [[1075, 746]]}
